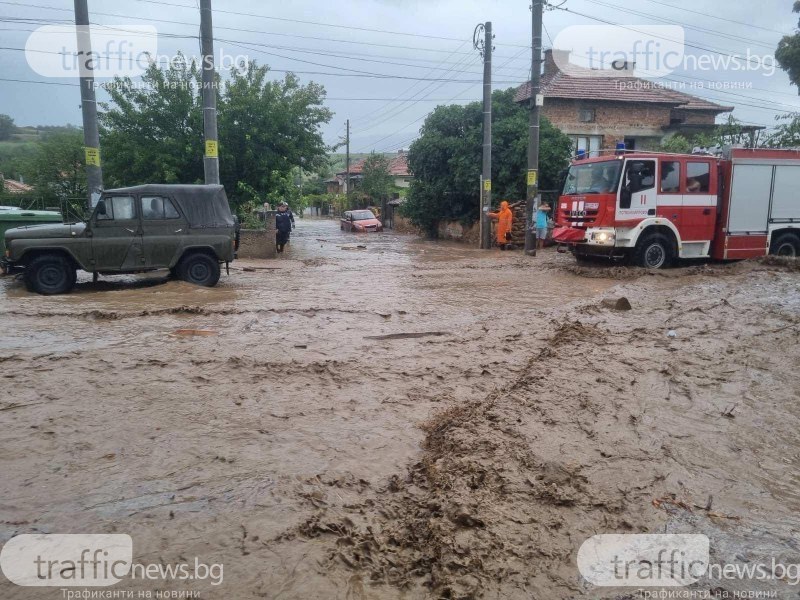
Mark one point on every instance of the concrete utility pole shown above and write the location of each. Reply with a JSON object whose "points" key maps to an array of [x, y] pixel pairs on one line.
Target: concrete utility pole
{"points": [[211, 154], [533, 136], [485, 48], [91, 132], [347, 165]]}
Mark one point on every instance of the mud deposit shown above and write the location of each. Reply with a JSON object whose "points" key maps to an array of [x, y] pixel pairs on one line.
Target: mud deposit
{"points": [[413, 420]]}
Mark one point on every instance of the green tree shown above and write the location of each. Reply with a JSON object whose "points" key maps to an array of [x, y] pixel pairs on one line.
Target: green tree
{"points": [[56, 167], [268, 128], [153, 133], [376, 179], [676, 144], [446, 160], [787, 134], [788, 52], [7, 127]]}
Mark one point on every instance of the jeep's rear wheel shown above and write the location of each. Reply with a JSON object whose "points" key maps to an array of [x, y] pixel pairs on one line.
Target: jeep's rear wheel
{"points": [[199, 269], [50, 274]]}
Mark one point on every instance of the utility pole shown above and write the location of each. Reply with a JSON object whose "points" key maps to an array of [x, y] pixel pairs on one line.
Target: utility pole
{"points": [[211, 154], [347, 166], [485, 48], [91, 132], [533, 131]]}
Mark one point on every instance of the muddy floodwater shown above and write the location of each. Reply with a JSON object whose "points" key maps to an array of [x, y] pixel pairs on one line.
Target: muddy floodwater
{"points": [[387, 417]]}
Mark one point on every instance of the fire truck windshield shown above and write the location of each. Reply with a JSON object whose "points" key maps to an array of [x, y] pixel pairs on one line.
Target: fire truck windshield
{"points": [[593, 178]]}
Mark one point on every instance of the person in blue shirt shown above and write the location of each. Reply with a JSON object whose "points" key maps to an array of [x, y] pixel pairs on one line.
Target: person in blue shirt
{"points": [[541, 225]]}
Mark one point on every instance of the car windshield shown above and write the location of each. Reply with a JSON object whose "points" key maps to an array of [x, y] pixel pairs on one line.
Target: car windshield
{"points": [[593, 178], [362, 215]]}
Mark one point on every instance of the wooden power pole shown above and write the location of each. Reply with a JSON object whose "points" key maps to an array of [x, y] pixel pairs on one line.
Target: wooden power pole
{"points": [[347, 166], [485, 47], [536, 102], [91, 131], [211, 154]]}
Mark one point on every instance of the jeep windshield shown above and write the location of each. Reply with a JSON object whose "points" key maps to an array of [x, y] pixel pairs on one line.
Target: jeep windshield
{"points": [[593, 178]]}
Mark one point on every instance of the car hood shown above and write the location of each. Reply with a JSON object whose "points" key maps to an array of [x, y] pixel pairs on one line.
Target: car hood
{"points": [[54, 230], [367, 222]]}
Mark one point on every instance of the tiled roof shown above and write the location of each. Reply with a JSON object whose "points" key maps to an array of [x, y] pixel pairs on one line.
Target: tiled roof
{"points": [[616, 89], [398, 166], [16, 187]]}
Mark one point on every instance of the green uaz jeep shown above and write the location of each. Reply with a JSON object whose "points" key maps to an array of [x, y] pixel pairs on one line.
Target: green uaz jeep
{"points": [[187, 229]]}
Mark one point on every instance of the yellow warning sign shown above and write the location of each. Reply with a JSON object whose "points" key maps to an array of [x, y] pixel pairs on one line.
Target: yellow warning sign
{"points": [[487, 185], [93, 156], [212, 150], [532, 177]]}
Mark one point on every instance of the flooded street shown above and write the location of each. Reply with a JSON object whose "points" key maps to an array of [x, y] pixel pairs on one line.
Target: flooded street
{"points": [[407, 419]]}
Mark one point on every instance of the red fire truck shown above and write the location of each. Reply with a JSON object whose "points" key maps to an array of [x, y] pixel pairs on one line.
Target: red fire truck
{"points": [[657, 208]]}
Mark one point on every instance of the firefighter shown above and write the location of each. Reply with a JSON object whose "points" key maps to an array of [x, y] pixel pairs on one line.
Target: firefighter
{"points": [[505, 219], [284, 223]]}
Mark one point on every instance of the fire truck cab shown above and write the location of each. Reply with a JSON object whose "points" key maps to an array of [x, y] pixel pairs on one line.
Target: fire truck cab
{"points": [[656, 208]]}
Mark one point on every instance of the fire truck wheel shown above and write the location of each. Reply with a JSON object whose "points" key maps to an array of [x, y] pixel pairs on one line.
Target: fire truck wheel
{"points": [[654, 251], [786, 245]]}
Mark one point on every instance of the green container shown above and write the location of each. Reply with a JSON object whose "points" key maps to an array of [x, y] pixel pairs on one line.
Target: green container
{"points": [[15, 217]]}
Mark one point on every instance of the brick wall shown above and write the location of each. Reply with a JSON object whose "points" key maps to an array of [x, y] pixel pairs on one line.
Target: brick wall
{"points": [[613, 120]]}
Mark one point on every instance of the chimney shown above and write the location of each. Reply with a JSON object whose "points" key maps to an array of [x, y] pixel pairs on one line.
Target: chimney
{"points": [[624, 67], [555, 60]]}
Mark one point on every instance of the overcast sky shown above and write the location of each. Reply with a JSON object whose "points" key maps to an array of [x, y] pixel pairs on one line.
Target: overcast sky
{"points": [[344, 50]]}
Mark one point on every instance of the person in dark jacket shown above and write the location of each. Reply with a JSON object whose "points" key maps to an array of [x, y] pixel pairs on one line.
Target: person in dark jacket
{"points": [[284, 223]]}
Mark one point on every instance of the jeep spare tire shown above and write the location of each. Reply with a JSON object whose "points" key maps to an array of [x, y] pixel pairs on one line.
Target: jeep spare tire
{"points": [[50, 274], [199, 269]]}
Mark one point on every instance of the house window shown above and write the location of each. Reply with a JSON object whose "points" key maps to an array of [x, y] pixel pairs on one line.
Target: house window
{"points": [[586, 115], [590, 143]]}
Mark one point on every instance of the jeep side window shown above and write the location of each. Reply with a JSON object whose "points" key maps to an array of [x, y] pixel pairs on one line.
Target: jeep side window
{"points": [[170, 212], [156, 208], [118, 208]]}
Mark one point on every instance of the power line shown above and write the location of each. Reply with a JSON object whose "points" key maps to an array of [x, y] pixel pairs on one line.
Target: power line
{"points": [[378, 116], [362, 57], [684, 9], [629, 28], [236, 29], [351, 73], [410, 124], [316, 23], [450, 100], [713, 32]]}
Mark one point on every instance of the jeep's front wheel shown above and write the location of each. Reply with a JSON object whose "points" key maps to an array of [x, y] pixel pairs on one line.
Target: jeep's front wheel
{"points": [[50, 274], [199, 269]]}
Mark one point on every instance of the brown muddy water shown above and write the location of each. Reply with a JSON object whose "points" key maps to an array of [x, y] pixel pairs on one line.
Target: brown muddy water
{"points": [[412, 419]]}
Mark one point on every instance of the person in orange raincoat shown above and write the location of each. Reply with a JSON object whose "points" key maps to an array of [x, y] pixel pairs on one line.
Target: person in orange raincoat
{"points": [[505, 219]]}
